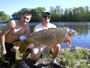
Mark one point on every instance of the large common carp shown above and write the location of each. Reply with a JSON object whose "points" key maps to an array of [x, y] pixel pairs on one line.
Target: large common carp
{"points": [[51, 36]]}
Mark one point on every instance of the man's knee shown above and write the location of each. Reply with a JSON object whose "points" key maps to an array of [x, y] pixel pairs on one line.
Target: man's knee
{"points": [[58, 47], [35, 53]]}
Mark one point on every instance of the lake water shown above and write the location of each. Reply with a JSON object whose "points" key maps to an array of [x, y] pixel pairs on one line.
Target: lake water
{"points": [[83, 37], [83, 29]]}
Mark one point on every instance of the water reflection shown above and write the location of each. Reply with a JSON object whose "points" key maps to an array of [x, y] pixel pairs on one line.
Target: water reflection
{"points": [[81, 28], [82, 39]]}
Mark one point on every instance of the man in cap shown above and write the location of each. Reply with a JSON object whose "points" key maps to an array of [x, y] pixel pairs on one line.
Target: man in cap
{"points": [[37, 52], [45, 17]]}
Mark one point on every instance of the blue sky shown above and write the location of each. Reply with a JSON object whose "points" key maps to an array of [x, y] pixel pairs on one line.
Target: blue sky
{"points": [[11, 6]]}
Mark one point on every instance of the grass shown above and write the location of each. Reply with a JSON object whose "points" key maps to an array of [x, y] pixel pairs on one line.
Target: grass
{"points": [[69, 58], [72, 58], [75, 58]]}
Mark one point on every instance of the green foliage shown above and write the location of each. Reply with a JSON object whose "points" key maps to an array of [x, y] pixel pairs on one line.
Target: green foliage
{"points": [[58, 14], [72, 58], [55, 13], [1, 27], [75, 58], [4, 17], [36, 14], [17, 15]]}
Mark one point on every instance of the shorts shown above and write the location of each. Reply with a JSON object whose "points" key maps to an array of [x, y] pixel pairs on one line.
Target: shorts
{"points": [[10, 56], [45, 49]]}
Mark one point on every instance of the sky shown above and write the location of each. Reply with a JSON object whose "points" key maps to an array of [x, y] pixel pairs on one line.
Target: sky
{"points": [[12, 6]]}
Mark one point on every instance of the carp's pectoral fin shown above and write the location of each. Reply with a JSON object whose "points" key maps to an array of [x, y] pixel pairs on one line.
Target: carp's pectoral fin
{"points": [[69, 43], [23, 44], [23, 48]]}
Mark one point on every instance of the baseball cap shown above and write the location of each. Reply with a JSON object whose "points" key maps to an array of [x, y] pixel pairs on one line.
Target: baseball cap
{"points": [[43, 13]]}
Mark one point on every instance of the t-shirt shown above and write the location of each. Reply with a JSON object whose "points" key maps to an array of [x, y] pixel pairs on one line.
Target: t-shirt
{"points": [[41, 27]]}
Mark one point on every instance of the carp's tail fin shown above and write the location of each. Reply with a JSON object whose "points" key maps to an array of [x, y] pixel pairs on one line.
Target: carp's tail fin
{"points": [[23, 44]]}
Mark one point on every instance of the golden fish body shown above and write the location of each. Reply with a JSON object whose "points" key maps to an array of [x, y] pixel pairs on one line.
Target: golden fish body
{"points": [[51, 36]]}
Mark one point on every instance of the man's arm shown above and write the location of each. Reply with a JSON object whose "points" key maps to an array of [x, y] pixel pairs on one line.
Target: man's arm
{"points": [[4, 32], [27, 33]]}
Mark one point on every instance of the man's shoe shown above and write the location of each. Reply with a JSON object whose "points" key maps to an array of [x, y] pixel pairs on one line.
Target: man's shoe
{"points": [[57, 65], [24, 65], [4, 62]]}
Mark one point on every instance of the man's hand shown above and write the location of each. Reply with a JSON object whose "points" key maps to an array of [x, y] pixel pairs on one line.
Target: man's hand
{"points": [[37, 43], [3, 51], [15, 48], [67, 39]]}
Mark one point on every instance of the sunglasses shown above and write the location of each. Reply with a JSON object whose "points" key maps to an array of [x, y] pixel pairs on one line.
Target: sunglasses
{"points": [[46, 16]]}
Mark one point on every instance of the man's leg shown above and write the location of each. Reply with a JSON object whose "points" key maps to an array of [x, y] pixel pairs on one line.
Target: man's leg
{"points": [[22, 62], [25, 56], [55, 54], [10, 56], [36, 53]]}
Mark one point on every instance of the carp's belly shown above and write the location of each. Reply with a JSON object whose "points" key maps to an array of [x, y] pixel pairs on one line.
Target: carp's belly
{"points": [[50, 38]]}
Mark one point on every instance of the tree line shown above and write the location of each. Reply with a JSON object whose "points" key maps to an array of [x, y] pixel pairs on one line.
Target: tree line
{"points": [[58, 14]]}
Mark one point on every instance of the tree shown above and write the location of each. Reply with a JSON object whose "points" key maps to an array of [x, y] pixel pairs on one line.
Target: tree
{"points": [[36, 14], [4, 17], [17, 15], [55, 14]]}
